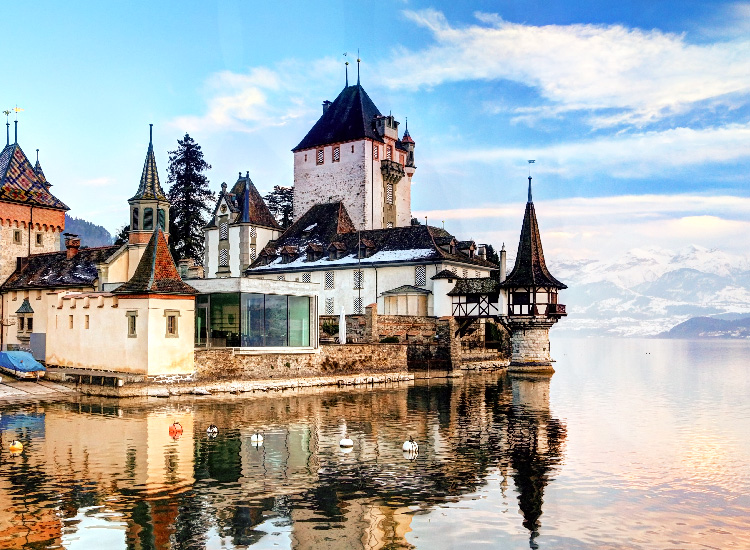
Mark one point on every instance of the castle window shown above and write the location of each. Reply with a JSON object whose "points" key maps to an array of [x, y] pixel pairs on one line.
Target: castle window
{"points": [[16, 236], [329, 280], [306, 277], [375, 151], [134, 224], [132, 316], [223, 231], [39, 241], [358, 278], [252, 253], [21, 323], [329, 306], [70, 321], [319, 156], [281, 278], [352, 148], [161, 218], [253, 231], [148, 218], [29, 324], [336, 154], [389, 152], [389, 193], [86, 322], [305, 157], [223, 257], [420, 275], [172, 326], [358, 306]]}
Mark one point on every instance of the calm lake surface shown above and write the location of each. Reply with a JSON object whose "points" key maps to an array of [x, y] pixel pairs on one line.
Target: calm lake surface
{"points": [[631, 444]]}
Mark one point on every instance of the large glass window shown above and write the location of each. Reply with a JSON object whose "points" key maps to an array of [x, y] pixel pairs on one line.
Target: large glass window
{"points": [[276, 320], [299, 321], [225, 320], [253, 323]]}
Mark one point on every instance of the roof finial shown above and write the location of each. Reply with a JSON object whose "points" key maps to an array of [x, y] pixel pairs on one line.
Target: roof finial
{"points": [[7, 126], [358, 60], [17, 110], [37, 155], [150, 134], [530, 163], [346, 69], [16, 136]]}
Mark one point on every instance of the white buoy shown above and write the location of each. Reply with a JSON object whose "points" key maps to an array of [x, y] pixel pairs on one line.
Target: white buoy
{"points": [[256, 438], [212, 430], [346, 442], [410, 445]]}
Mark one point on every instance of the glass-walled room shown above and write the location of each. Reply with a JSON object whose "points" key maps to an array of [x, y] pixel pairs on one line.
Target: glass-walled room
{"points": [[242, 319]]}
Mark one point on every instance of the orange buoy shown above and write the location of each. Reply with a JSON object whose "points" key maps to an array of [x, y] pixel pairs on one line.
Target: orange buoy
{"points": [[16, 446], [175, 430]]}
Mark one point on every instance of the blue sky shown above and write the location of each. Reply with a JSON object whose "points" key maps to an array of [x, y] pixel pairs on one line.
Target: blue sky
{"points": [[637, 113]]}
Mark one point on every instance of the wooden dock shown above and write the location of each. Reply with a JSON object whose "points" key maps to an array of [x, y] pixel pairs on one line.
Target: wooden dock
{"points": [[11, 389]]}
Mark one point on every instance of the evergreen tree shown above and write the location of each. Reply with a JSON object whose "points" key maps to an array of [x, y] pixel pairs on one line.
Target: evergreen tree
{"points": [[190, 198], [492, 255], [280, 202], [122, 235]]}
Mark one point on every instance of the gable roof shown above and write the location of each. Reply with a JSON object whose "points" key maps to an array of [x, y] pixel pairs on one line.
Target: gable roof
{"points": [[329, 225], [55, 270], [444, 274], [245, 200], [406, 289], [156, 272], [149, 187], [530, 268], [19, 182], [348, 118]]}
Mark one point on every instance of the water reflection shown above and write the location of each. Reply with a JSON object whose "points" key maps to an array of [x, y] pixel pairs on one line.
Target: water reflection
{"points": [[109, 471]]}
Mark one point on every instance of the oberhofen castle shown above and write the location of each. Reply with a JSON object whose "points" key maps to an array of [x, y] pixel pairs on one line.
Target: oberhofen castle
{"points": [[353, 248]]}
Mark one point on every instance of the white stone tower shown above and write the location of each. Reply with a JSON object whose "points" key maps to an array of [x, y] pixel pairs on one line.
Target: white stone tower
{"points": [[353, 154]]}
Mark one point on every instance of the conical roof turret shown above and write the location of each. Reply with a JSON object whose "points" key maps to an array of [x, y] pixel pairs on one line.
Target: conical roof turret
{"points": [[149, 187]]}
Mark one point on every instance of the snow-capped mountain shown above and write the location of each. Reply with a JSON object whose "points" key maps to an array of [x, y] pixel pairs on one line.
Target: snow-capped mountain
{"points": [[648, 291]]}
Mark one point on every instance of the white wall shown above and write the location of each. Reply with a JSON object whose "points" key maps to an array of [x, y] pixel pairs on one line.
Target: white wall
{"points": [[211, 243]]}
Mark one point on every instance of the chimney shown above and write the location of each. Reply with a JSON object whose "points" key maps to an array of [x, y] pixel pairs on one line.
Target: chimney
{"points": [[72, 244], [482, 252], [21, 262], [502, 264], [183, 267], [326, 105]]}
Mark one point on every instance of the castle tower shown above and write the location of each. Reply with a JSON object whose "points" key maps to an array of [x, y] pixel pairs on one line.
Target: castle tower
{"points": [[532, 300], [353, 154], [149, 207]]}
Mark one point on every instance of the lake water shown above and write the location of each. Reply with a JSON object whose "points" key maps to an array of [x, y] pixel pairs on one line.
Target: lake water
{"points": [[631, 444]]}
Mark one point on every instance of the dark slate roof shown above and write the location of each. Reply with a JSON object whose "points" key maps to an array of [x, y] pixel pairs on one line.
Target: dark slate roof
{"points": [[444, 274], [480, 285], [56, 270], [149, 187], [245, 200], [20, 183], [348, 118], [25, 307], [156, 272], [407, 289], [530, 268], [329, 224]]}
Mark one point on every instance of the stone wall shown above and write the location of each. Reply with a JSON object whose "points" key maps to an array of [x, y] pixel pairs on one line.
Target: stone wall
{"points": [[217, 364], [530, 347], [372, 327]]}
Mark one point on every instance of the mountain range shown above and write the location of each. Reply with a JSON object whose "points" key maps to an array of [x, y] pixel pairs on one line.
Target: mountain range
{"points": [[649, 291]]}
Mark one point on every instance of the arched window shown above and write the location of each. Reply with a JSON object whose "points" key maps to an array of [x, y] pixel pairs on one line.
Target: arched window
{"points": [[161, 218], [148, 219], [134, 225]]}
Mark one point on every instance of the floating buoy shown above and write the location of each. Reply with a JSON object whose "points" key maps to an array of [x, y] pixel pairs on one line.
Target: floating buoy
{"points": [[346, 443], [16, 446], [212, 430], [411, 455], [256, 439], [410, 445], [175, 430]]}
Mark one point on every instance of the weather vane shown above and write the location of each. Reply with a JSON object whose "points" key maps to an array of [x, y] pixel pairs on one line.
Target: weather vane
{"points": [[346, 63]]}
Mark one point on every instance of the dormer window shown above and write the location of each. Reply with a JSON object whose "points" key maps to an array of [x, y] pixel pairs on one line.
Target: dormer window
{"points": [[288, 254], [336, 250], [314, 252], [366, 248]]}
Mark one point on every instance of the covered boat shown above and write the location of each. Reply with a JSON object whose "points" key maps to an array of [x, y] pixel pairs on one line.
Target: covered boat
{"points": [[21, 364]]}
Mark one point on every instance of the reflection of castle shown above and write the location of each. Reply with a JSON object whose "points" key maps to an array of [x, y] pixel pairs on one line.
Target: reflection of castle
{"points": [[167, 493]]}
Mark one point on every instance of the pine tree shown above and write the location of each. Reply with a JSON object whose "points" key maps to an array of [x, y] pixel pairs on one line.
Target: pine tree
{"points": [[190, 198], [280, 202], [122, 235], [492, 255]]}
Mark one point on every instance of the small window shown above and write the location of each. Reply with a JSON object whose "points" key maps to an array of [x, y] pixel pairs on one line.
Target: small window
{"points": [[420, 275], [336, 154], [223, 231], [223, 257], [86, 322], [375, 151], [30, 324], [329, 280], [132, 318], [389, 225], [358, 278], [306, 277], [358, 306], [161, 218], [134, 224], [329, 306], [39, 239], [466, 273], [70, 321], [352, 148], [389, 193], [171, 317], [281, 278], [253, 254], [305, 157], [389, 153], [148, 219], [319, 156], [253, 231], [16, 236], [21, 324]]}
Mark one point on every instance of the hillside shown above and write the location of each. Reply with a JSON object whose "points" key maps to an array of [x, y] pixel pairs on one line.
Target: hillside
{"points": [[91, 234], [709, 327]]}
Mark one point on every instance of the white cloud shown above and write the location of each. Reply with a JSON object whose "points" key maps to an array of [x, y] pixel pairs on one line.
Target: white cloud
{"points": [[645, 75], [626, 155]]}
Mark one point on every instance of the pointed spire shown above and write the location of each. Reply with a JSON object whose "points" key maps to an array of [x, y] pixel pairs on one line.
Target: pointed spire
{"points": [[407, 138], [149, 187]]}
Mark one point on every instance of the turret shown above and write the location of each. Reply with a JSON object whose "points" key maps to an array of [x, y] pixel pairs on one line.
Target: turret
{"points": [[149, 207]]}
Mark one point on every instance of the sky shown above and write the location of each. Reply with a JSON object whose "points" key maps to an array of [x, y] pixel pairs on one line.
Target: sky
{"points": [[637, 113]]}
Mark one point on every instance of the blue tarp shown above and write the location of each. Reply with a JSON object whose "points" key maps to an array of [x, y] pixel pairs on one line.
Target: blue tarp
{"points": [[20, 361]]}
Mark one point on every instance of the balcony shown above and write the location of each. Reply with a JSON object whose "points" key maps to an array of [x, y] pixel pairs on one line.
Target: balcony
{"points": [[556, 310]]}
